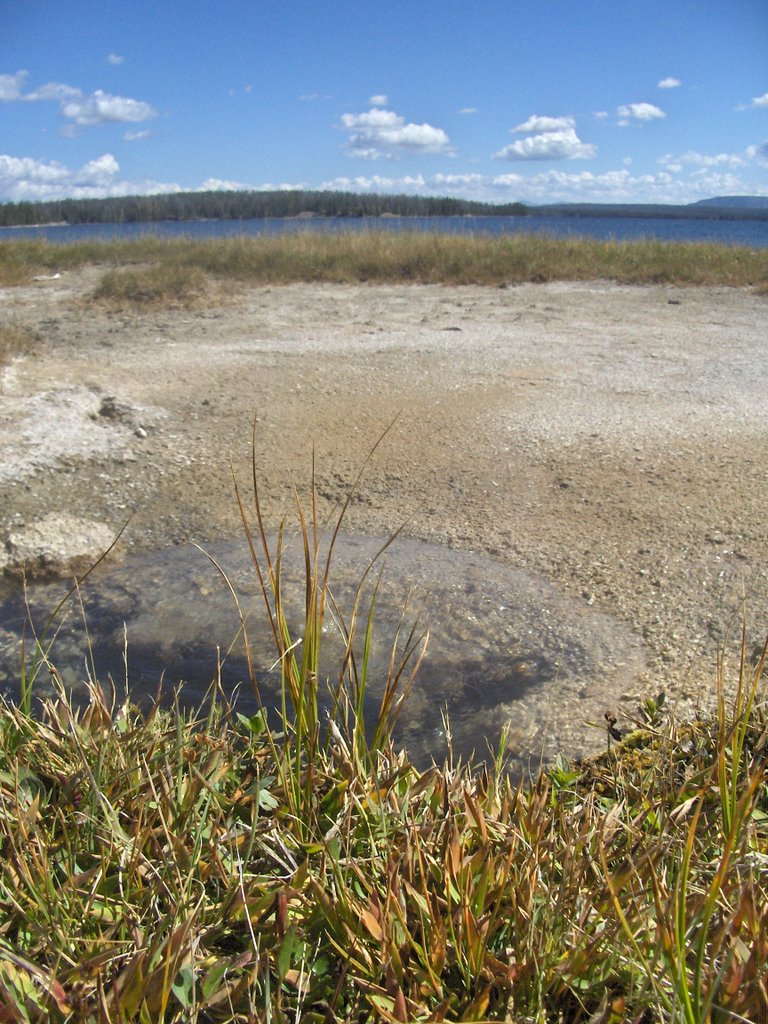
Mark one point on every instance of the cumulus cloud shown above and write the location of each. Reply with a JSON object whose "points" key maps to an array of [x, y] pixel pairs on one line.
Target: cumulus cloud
{"points": [[103, 108], [555, 145], [376, 183], [11, 86], [458, 180], [555, 138], [222, 185], [380, 100], [115, 58], [669, 83], [56, 91], [619, 186], [760, 101], [78, 108], [639, 112], [535, 123], [24, 178], [551, 186], [383, 133], [707, 160]]}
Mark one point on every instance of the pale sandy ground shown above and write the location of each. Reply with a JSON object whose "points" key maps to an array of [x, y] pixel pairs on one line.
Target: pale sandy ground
{"points": [[612, 439]]}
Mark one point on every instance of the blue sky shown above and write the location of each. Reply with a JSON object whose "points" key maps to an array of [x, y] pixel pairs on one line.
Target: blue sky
{"points": [[547, 101]]}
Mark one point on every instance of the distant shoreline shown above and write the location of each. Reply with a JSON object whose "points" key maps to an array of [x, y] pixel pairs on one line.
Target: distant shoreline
{"points": [[192, 207]]}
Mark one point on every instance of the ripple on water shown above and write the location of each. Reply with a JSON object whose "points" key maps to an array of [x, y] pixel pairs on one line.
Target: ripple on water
{"points": [[505, 647]]}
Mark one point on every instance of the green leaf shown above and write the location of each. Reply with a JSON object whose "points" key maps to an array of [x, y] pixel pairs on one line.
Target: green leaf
{"points": [[213, 978], [184, 986], [290, 950]]}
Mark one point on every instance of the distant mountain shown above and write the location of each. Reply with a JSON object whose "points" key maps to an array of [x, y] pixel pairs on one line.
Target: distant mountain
{"points": [[738, 202], [724, 208]]}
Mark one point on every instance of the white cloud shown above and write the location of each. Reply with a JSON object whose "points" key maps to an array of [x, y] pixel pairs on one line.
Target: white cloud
{"points": [[698, 160], [77, 107], [380, 100], [222, 185], [383, 133], [552, 186], [11, 86], [760, 101], [56, 91], [376, 183], [24, 178], [137, 136], [115, 58], [621, 186], [103, 108], [535, 123], [669, 83], [458, 180], [101, 171], [639, 112], [468, 110], [555, 145]]}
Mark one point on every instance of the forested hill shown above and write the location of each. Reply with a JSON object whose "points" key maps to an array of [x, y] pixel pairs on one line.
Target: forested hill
{"points": [[181, 206], [229, 205]]}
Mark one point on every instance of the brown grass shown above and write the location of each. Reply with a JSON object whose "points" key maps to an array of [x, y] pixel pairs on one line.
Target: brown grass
{"points": [[152, 270]]}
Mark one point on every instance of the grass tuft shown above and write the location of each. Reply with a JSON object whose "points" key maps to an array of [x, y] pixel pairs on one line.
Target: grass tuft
{"points": [[154, 285], [15, 341]]}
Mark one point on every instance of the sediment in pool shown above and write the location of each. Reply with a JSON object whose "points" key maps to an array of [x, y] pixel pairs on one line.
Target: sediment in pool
{"points": [[506, 649]]}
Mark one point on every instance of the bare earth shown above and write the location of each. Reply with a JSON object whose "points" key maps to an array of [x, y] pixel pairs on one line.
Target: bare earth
{"points": [[612, 439]]}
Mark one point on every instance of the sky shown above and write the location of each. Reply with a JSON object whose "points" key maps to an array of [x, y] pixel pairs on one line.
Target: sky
{"points": [[537, 101]]}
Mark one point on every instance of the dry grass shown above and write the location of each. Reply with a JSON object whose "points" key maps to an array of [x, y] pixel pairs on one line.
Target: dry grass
{"points": [[165, 284], [181, 265], [15, 341]]}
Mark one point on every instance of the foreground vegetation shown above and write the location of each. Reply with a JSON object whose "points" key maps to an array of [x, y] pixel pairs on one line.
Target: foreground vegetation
{"points": [[174, 866], [155, 270]]}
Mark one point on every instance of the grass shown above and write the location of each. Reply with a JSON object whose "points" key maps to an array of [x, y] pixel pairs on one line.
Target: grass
{"points": [[15, 341], [197, 866], [151, 270]]}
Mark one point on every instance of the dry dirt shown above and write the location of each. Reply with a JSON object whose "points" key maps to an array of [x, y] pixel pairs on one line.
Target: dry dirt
{"points": [[612, 439]]}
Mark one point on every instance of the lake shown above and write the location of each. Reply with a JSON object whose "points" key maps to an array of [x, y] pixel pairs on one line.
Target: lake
{"points": [[751, 233]]}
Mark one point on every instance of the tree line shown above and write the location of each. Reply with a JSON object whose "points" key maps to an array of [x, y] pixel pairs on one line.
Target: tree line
{"points": [[227, 205]]}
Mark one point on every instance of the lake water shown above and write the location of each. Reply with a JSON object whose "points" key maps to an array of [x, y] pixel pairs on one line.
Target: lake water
{"points": [[751, 233]]}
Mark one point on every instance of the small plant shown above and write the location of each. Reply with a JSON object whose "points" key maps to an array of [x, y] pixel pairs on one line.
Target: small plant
{"points": [[158, 284], [15, 341]]}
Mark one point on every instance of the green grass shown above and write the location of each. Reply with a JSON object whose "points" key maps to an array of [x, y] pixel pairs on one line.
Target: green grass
{"points": [[378, 257], [171, 865]]}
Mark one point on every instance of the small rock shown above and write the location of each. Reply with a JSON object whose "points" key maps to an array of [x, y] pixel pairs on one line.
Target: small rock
{"points": [[57, 545]]}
